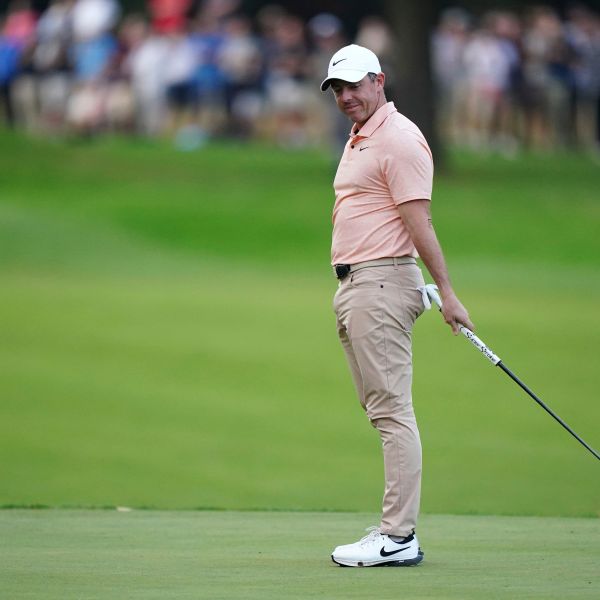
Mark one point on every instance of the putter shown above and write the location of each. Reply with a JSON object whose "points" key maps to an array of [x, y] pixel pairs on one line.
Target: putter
{"points": [[430, 292]]}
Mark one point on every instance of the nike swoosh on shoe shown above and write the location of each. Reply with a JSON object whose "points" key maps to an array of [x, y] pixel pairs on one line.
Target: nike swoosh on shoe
{"points": [[384, 553]]}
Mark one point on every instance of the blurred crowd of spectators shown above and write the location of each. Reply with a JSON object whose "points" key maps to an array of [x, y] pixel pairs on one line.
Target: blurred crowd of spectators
{"points": [[183, 69], [510, 81], [193, 70]]}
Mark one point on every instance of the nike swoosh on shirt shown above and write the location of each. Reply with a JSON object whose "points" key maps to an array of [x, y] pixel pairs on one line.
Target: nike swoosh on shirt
{"points": [[363, 148], [337, 61], [383, 552]]}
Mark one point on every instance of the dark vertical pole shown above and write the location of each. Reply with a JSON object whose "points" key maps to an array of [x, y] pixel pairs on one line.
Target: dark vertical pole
{"points": [[412, 24]]}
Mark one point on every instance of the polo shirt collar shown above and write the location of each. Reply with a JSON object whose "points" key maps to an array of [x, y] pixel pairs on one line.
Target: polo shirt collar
{"points": [[377, 118]]}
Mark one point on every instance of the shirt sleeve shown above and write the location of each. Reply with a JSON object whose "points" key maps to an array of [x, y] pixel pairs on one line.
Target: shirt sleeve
{"points": [[407, 167]]}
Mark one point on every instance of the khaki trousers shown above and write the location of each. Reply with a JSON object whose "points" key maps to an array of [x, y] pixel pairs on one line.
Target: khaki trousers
{"points": [[376, 308]]}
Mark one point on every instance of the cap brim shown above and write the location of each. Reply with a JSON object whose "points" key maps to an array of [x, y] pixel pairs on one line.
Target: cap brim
{"points": [[350, 76]]}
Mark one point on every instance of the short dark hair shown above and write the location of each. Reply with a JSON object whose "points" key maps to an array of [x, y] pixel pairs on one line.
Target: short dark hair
{"points": [[372, 76]]}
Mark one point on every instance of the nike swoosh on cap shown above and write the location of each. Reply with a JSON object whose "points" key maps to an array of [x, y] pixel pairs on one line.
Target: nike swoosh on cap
{"points": [[337, 61], [383, 552]]}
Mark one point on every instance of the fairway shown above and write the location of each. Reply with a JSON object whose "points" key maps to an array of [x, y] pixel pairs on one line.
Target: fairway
{"points": [[103, 555], [168, 339]]}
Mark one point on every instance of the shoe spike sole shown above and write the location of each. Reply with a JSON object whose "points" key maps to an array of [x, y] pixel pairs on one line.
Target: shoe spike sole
{"points": [[410, 562]]}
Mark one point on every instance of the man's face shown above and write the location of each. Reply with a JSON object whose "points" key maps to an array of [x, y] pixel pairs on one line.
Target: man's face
{"points": [[359, 100]]}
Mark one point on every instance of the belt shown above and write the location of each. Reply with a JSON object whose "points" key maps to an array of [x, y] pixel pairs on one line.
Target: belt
{"points": [[341, 271]]}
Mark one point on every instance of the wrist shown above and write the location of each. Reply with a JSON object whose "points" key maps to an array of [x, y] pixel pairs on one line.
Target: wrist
{"points": [[446, 290]]}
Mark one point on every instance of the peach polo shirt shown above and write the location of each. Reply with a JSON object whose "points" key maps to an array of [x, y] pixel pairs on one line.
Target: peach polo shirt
{"points": [[384, 164]]}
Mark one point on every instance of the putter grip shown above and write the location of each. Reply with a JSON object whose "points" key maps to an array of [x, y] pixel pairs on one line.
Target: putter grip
{"points": [[479, 345], [432, 291]]}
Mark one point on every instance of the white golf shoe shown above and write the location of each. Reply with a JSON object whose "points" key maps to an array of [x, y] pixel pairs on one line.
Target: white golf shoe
{"points": [[377, 549]]}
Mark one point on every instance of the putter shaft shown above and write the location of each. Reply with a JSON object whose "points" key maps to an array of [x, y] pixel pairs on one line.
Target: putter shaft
{"points": [[432, 291], [546, 408], [495, 360]]}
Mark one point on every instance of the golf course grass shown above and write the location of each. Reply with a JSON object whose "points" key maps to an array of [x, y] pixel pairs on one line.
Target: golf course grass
{"points": [[168, 342], [102, 555]]}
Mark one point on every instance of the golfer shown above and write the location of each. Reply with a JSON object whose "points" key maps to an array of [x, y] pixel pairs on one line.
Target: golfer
{"points": [[381, 223]]}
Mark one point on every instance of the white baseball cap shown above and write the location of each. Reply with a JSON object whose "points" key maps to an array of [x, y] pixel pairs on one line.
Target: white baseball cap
{"points": [[351, 63]]}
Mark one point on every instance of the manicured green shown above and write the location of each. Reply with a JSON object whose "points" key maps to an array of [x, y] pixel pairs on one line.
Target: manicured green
{"points": [[102, 555], [168, 338]]}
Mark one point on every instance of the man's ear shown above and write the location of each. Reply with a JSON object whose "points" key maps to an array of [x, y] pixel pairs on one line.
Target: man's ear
{"points": [[381, 79]]}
